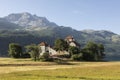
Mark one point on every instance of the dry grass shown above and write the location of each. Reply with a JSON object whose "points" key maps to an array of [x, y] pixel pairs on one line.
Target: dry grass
{"points": [[30, 70]]}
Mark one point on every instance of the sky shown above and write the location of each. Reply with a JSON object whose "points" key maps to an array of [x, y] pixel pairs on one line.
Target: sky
{"points": [[78, 14]]}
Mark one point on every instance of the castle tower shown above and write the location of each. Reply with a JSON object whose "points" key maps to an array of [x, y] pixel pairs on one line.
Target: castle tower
{"points": [[69, 39], [44, 47]]}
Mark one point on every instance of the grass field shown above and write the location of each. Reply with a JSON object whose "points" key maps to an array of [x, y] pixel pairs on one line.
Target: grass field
{"points": [[25, 69]]}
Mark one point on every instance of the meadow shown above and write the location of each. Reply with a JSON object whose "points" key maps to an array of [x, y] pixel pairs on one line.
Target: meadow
{"points": [[25, 69]]}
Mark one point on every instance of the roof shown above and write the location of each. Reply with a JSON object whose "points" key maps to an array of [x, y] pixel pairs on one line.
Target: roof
{"points": [[77, 43], [69, 37], [43, 44]]}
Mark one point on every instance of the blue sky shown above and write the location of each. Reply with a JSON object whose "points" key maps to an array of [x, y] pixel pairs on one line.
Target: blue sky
{"points": [[78, 14]]}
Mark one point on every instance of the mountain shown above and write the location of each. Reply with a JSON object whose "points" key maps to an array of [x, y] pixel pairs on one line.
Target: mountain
{"points": [[29, 21], [25, 28], [101, 35], [8, 25]]}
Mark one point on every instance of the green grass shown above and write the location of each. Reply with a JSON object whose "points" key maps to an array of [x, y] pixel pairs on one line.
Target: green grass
{"points": [[75, 71]]}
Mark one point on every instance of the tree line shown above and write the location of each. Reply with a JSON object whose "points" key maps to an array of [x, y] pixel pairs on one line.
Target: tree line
{"points": [[90, 52]]}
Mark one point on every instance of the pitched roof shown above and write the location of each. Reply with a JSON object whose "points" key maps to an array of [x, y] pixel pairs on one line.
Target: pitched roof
{"points": [[43, 44], [77, 44], [69, 37]]}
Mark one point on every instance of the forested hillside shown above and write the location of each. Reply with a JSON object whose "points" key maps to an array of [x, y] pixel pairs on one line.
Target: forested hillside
{"points": [[12, 31]]}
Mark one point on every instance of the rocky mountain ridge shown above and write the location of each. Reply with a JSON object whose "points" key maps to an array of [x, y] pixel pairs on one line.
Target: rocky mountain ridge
{"points": [[29, 21]]}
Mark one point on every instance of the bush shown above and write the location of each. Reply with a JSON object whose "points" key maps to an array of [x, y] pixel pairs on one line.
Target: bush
{"points": [[73, 50], [33, 50], [64, 56], [25, 55], [45, 57], [15, 50], [76, 57]]}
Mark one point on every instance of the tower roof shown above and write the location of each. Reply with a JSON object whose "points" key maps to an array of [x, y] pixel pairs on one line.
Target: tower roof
{"points": [[43, 44], [69, 37]]}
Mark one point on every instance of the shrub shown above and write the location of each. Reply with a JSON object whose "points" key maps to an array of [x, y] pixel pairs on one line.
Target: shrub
{"points": [[15, 50], [73, 50], [25, 55], [64, 56], [45, 57], [76, 57], [33, 50]]}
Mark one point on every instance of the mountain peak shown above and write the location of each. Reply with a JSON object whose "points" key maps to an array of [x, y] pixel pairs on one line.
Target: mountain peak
{"points": [[19, 14], [26, 13], [28, 20]]}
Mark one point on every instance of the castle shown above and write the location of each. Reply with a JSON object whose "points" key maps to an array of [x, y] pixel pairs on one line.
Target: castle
{"points": [[46, 48]]}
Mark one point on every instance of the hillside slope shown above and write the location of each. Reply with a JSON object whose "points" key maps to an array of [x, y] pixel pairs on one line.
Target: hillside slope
{"points": [[24, 28]]}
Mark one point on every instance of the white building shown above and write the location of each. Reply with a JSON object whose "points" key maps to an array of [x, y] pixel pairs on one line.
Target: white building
{"points": [[46, 48], [71, 41]]}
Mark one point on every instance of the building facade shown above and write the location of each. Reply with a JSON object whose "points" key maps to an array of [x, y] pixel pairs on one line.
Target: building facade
{"points": [[46, 48]]}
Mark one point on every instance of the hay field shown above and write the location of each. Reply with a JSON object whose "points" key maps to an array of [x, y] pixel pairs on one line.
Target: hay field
{"points": [[25, 69]]}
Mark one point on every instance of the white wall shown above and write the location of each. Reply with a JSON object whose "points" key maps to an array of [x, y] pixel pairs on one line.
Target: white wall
{"points": [[52, 51], [72, 44], [43, 50]]}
